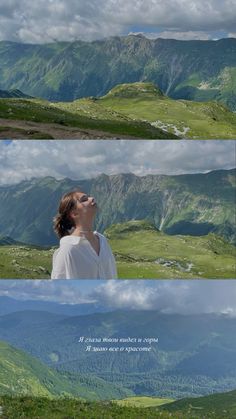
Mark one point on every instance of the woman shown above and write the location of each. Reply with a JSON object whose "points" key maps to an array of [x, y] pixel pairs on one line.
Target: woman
{"points": [[83, 253]]}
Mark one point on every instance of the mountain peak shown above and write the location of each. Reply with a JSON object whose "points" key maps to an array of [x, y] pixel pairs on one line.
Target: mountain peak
{"points": [[130, 226], [138, 89]]}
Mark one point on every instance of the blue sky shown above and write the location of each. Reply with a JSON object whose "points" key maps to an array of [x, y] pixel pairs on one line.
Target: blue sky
{"points": [[68, 20], [173, 296]]}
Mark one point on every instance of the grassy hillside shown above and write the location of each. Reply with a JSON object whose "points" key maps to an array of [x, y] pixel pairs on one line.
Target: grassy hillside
{"points": [[22, 374], [144, 252], [217, 406], [180, 117], [221, 405], [41, 408], [25, 262], [141, 251], [143, 401], [40, 111], [13, 94], [138, 110]]}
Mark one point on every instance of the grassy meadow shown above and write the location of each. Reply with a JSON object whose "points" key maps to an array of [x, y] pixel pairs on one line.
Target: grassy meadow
{"points": [[134, 110], [141, 251]]}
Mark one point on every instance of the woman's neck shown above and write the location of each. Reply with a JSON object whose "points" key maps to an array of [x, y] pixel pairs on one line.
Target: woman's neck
{"points": [[83, 229]]}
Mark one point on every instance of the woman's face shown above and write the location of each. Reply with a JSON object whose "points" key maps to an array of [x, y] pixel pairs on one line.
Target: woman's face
{"points": [[86, 205]]}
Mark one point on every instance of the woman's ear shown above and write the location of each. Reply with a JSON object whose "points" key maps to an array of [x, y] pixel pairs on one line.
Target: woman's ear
{"points": [[73, 215]]}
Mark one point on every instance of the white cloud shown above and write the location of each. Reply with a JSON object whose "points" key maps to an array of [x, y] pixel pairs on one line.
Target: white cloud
{"points": [[22, 160], [176, 296], [182, 297], [182, 36], [45, 21], [57, 291]]}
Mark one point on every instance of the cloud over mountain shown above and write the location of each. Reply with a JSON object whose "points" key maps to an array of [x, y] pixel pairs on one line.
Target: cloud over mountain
{"points": [[179, 296], [21, 160], [47, 20]]}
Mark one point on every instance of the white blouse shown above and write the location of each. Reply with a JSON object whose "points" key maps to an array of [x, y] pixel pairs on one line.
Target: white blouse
{"points": [[77, 259]]}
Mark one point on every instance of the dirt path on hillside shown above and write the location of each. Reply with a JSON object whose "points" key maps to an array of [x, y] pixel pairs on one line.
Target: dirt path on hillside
{"points": [[17, 129]]}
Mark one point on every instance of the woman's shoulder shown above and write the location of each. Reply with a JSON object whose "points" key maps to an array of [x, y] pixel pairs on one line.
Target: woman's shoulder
{"points": [[101, 236], [68, 241]]}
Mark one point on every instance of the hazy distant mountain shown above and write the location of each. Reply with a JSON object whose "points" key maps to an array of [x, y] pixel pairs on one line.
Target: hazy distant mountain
{"points": [[10, 305], [186, 204], [196, 70], [13, 94], [181, 364]]}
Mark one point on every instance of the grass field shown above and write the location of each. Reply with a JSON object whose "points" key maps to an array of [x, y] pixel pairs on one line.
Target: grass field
{"points": [[40, 111], [221, 405], [45, 408], [217, 406], [139, 252], [143, 401], [153, 254], [25, 262], [182, 117], [135, 110]]}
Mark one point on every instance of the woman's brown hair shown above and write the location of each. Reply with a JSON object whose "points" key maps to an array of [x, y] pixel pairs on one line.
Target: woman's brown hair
{"points": [[62, 222]]}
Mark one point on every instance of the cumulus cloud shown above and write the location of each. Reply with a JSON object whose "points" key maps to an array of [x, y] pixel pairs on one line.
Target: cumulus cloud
{"points": [[167, 297], [57, 291], [67, 20], [20, 160], [182, 36]]}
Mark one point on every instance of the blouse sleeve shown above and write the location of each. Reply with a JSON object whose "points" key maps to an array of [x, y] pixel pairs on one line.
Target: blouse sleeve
{"points": [[112, 271], [60, 265]]}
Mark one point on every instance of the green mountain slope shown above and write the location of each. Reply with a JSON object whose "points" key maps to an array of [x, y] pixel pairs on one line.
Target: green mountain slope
{"points": [[8, 241], [195, 204], [41, 115], [181, 364], [16, 408], [183, 118], [21, 374], [64, 71], [12, 94], [216, 406], [143, 252], [137, 110]]}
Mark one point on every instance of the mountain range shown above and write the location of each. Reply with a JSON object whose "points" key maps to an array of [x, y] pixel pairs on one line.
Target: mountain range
{"points": [[10, 305], [64, 71], [180, 364], [191, 204]]}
